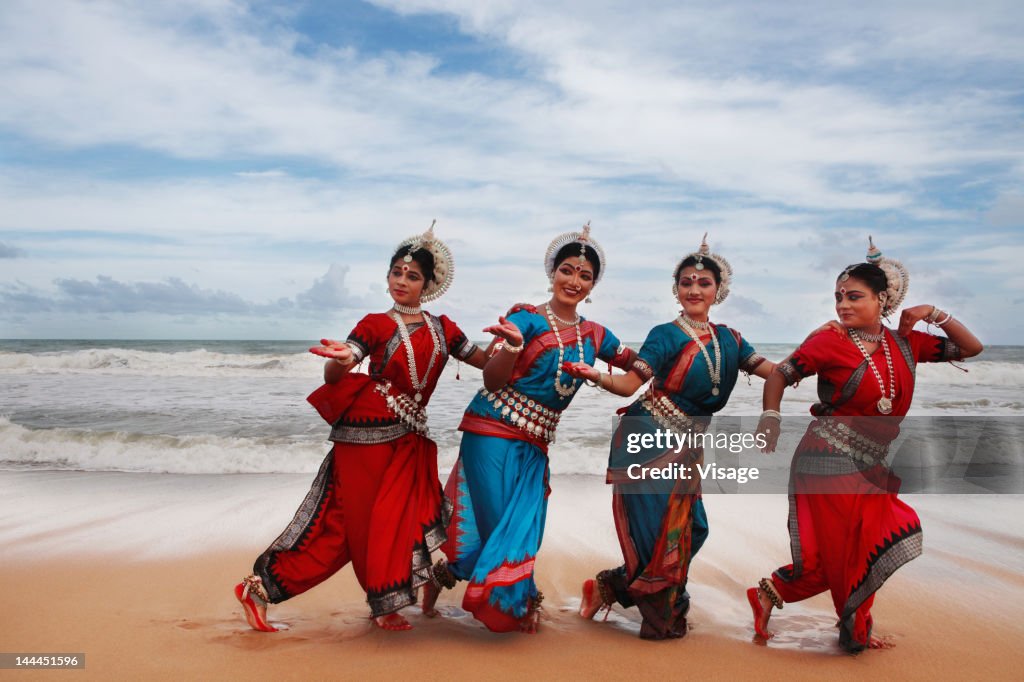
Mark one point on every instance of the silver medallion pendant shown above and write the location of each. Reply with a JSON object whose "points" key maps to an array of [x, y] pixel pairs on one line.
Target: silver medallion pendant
{"points": [[885, 405], [418, 397], [715, 391]]}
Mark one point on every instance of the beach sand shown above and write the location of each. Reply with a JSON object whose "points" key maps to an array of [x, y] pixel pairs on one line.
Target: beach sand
{"points": [[136, 571]]}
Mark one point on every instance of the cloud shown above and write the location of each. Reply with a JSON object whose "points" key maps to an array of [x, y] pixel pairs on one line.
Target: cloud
{"points": [[8, 251], [173, 296], [714, 117], [1008, 211], [329, 291], [748, 307], [260, 150]]}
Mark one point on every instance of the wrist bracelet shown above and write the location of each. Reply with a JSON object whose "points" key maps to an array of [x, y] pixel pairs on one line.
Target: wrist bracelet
{"points": [[932, 316], [772, 414], [949, 318], [513, 349]]}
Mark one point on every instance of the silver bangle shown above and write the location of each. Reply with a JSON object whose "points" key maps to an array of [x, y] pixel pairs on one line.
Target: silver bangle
{"points": [[772, 414], [512, 349], [949, 318]]}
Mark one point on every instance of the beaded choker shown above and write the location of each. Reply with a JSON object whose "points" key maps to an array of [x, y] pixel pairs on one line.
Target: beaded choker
{"points": [[407, 309]]}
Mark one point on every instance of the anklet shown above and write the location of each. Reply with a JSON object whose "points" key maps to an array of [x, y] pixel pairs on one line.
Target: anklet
{"points": [[441, 576], [773, 594], [604, 589], [254, 586]]}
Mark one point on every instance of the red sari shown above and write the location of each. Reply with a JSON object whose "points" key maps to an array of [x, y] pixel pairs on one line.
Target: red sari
{"points": [[376, 501], [848, 530]]}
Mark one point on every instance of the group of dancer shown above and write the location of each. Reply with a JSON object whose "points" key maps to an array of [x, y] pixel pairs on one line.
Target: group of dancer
{"points": [[377, 501]]}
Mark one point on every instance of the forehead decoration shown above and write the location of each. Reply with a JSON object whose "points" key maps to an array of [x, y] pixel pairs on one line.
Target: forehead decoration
{"points": [[444, 262], [584, 240], [700, 255]]}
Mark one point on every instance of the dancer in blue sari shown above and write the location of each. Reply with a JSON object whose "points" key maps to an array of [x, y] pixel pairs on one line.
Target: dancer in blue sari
{"points": [[499, 485], [692, 365]]}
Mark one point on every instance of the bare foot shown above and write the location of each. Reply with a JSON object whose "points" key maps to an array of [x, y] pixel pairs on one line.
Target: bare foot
{"points": [[430, 594], [591, 602], [393, 622], [255, 609], [880, 643], [762, 607]]}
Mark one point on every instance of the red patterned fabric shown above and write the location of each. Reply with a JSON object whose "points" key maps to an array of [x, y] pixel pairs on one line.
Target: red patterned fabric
{"points": [[376, 505], [848, 530]]}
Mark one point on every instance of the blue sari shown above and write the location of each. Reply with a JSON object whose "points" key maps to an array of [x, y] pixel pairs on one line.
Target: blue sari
{"points": [[661, 530], [499, 485]]}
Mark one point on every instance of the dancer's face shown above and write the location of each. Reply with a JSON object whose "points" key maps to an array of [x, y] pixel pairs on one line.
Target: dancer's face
{"points": [[857, 305], [406, 282], [572, 281], [696, 290]]}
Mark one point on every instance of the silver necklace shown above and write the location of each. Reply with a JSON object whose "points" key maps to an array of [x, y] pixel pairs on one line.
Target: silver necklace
{"points": [[565, 323], [564, 391], [871, 338], [418, 384], [696, 324], [714, 368], [407, 309], [885, 402]]}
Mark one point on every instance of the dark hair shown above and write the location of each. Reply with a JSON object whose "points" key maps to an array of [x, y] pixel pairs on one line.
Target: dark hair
{"points": [[870, 274], [572, 250], [709, 264], [424, 258]]}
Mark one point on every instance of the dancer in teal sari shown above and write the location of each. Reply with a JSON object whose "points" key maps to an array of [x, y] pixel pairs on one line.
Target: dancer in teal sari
{"points": [[692, 365], [499, 485]]}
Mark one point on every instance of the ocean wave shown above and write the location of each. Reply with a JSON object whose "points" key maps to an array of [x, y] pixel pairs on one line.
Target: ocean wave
{"points": [[202, 362], [83, 450], [75, 450], [125, 361], [980, 373]]}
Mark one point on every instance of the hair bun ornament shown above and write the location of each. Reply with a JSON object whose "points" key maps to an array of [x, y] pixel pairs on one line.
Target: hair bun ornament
{"points": [[699, 255], [444, 262], [897, 278], [582, 238]]}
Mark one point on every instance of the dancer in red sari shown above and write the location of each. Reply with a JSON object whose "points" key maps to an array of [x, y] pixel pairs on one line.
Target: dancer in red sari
{"points": [[376, 501], [848, 530]]}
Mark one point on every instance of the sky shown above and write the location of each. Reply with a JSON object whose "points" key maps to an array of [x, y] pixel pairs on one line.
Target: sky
{"points": [[221, 169]]}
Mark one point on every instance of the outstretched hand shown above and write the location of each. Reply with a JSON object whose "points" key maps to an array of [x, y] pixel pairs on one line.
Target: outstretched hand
{"points": [[506, 330], [581, 370], [336, 350]]}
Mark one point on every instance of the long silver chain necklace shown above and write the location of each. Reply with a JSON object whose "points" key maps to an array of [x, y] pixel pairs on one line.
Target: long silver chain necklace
{"points": [[714, 368], [885, 402], [418, 383], [564, 391]]}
